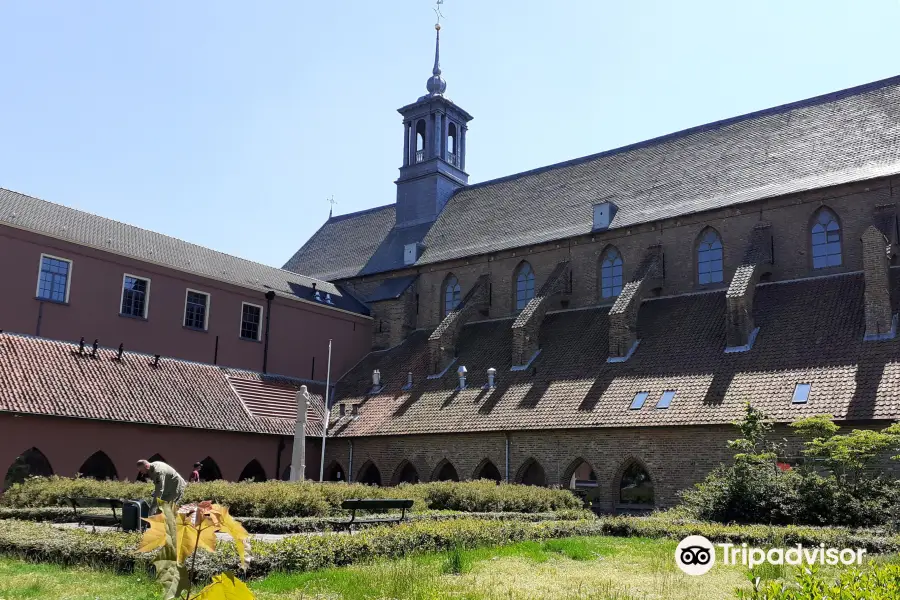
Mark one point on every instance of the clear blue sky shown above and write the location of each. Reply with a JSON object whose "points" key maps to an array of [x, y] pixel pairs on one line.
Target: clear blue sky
{"points": [[228, 123]]}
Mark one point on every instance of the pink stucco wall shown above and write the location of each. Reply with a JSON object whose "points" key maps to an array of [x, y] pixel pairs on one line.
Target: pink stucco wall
{"points": [[299, 331]]}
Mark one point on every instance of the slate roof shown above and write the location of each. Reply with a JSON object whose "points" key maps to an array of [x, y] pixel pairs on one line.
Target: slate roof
{"points": [[390, 289], [25, 212], [46, 377], [828, 140], [811, 331]]}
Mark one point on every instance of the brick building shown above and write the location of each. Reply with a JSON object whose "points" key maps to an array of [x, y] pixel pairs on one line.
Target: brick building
{"points": [[608, 317]]}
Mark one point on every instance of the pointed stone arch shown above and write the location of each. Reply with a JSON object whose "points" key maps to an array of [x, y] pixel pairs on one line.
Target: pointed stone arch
{"points": [[405, 472], [253, 471], [531, 473], [369, 474], [578, 469], [444, 471], [98, 466], [31, 463], [486, 469], [335, 472], [209, 470], [633, 486]]}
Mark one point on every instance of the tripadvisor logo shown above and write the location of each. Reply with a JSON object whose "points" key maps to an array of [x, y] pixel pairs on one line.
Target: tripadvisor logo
{"points": [[696, 555]]}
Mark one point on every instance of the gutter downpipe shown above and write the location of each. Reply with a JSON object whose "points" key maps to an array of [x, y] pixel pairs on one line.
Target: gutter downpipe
{"points": [[506, 435], [270, 295], [350, 463]]}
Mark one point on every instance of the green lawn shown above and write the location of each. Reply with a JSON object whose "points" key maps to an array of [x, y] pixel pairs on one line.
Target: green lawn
{"points": [[601, 568]]}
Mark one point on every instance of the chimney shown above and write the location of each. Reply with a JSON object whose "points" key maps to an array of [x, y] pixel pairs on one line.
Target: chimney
{"points": [[880, 324], [461, 371], [492, 372], [376, 378]]}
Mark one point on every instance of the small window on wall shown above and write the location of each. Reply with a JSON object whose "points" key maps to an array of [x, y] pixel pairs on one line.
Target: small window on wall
{"points": [[135, 296], [196, 310], [54, 278], [251, 319]]}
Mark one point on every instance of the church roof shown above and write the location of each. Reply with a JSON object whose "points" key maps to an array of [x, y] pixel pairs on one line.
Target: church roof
{"points": [[837, 138], [83, 228], [810, 331], [46, 377]]}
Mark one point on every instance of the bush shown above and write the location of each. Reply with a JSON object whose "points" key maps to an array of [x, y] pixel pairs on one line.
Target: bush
{"points": [[276, 499], [881, 582]]}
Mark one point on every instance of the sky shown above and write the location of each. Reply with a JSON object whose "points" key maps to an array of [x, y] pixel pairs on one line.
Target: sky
{"points": [[229, 124]]}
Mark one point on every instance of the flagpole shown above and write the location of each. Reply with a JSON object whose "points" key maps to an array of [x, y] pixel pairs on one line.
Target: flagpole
{"points": [[327, 414]]}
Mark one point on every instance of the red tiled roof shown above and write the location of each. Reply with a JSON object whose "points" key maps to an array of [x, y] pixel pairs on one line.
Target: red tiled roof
{"points": [[811, 331], [46, 377]]}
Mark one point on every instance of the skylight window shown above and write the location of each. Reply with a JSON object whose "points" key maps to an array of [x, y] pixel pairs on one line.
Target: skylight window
{"points": [[666, 399], [801, 393], [639, 400]]}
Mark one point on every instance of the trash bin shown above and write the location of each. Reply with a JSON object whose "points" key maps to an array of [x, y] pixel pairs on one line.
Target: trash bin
{"points": [[132, 513]]}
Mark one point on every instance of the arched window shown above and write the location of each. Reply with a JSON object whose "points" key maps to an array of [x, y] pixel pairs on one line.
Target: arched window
{"points": [[253, 471], [406, 473], [611, 268], [709, 257], [524, 285], [31, 463], [488, 470], [452, 145], [370, 475], [420, 141], [98, 466], [335, 472], [209, 470], [580, 470], [532, 473], [446, 472], [636, 486], [451, 294], [826, 240]]}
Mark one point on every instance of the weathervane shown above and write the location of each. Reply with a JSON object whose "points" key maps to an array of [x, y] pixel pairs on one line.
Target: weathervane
{"points": [[437, 10], [330, 200]]}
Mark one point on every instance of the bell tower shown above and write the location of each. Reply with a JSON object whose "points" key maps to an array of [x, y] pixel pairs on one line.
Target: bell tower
{"points": [[434, 150]]}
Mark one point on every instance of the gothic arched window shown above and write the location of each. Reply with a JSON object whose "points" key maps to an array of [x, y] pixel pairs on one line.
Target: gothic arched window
{"points": [[420, 141], [636, 487], [709, 257], [611, 269], [451, 294], [826, 240], [524, 286]]}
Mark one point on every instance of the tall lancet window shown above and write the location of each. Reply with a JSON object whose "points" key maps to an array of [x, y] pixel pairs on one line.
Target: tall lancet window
{"points": [[451, 294], [826, 240], [420, 141], [709, 257], [611, 269], [524, 286], [452, 145]]}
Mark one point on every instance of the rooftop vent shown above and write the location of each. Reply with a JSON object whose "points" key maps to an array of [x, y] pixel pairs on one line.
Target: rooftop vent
{"points": [[603, 215], [491, 383], [412, 252], [121, 351], [461, 371], [409, 382], [376, 382], [94, 348]]}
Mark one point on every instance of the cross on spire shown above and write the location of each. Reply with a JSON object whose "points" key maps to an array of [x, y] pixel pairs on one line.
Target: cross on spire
{"points": [[330, 200]]}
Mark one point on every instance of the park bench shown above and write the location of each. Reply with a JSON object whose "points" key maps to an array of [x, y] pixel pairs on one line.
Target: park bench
{"points": [[115, 519], [355, 504]]}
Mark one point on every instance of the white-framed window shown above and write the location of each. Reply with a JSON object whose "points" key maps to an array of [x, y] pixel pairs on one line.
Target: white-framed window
{"points": [[709, 258], [611, 270], [251, 321], [196, 309], [524, 286], [135, 300], [54, 278]]}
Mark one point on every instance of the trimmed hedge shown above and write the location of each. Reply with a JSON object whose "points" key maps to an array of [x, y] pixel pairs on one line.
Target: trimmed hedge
{"points": [[42, 542], [272, 499]]}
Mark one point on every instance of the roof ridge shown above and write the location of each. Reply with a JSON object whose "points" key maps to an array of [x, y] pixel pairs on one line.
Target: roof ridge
{"points": [[150, 231], [781, 108], [358, 213]]}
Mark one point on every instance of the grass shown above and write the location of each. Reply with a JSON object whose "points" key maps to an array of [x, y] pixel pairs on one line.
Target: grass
{"points": [[590, 568]]}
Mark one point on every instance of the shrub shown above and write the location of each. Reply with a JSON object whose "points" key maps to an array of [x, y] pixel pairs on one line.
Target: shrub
{"points": [[881, 582], [274, 499]]}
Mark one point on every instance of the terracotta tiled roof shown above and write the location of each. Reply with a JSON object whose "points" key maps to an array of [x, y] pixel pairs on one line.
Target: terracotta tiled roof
{"points": [[845, 136], [811, 331], [40, 376]]}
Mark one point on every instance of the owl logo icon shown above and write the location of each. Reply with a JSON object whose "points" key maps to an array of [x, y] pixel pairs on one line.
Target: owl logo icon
{"points": [[695, 555]]}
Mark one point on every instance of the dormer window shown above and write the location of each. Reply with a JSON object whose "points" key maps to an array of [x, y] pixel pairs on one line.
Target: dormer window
{"points": [[603, 215]]}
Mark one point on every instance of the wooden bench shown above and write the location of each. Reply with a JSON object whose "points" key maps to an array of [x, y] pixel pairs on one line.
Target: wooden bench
{"points": [[355, 504], [93, 520]]}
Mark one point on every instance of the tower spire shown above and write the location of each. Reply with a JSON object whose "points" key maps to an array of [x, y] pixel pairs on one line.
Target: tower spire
{"points": [[436, 84]]}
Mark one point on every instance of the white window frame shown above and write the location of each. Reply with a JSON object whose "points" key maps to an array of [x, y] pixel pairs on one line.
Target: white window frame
{"points": [[37, 289], [261, 320], [205, 316], [146, 295]]}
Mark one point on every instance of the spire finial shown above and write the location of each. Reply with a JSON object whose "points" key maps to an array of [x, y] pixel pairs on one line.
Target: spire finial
{"points": [[332, 202], [436, 85]]}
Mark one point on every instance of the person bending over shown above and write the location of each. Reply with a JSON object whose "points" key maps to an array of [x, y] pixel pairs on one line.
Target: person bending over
{"points": [[168, 484]]}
